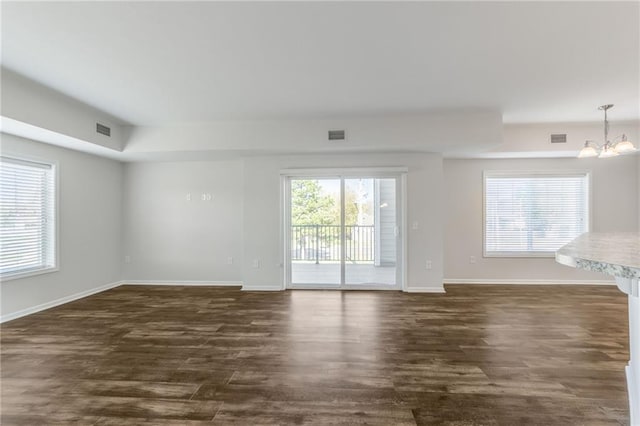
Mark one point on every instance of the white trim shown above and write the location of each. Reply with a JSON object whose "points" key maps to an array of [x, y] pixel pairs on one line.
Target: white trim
{"points": [[55, 170], [377, 251], [33, 273], [369, 172], [507, 281], [343, 234], [337, 287], [535, 173], [404, 236], [184, 283], [314, 286], [285, 231], [57, 302], [633, 368], [262, 288], [431, 289], [633, 393]]}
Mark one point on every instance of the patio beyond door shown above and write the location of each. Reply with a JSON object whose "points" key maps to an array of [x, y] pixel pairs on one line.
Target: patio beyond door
{"points": [[343, 232]]}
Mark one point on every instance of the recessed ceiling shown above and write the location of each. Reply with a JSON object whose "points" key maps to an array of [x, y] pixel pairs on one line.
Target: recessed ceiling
{"points": [[171, 62]]}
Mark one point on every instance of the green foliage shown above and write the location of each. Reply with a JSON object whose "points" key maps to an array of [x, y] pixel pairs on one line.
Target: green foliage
{"points": [[309, 206]]}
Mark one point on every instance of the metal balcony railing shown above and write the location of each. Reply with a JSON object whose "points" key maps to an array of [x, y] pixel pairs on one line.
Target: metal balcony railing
{"points": [[322, 243]]}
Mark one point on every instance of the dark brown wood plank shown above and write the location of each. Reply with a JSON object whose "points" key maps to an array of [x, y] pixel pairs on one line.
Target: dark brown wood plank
{"points": [[201, 355]]}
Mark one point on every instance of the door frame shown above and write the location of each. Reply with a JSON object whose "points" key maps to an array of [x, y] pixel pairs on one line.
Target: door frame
{"points": [[398, 173]]}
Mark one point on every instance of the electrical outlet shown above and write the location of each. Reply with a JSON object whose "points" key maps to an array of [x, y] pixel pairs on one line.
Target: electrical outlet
{"points": [[229, 260], [127, 259], [429, 265], [472, 259], [188, 197], [414, 226], [256, 263]]}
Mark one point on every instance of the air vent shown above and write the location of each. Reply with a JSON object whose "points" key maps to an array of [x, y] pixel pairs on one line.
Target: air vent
{"points": [[336, 135], [559, 138], [103, 130]]}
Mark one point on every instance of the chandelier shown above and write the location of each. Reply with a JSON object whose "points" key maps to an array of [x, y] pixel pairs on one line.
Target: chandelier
{"points": [[620, 144]]}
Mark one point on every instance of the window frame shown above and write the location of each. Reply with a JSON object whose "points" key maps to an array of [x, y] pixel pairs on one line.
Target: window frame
{"points": [[55, 169], [531, 174]]}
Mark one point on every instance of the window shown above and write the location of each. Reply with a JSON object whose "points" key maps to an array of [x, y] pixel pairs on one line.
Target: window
{"points": [[533, 214], [27, 217]]}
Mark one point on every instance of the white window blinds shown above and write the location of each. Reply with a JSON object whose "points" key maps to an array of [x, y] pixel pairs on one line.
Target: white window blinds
{"points": [[527, 214], [27, 217]]}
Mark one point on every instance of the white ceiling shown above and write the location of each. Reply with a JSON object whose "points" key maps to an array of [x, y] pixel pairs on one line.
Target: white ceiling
{"points": [[170, 62]]}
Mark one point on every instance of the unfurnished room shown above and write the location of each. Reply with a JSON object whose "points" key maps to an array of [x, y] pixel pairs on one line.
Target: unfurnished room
{"points": [[320, 213]]}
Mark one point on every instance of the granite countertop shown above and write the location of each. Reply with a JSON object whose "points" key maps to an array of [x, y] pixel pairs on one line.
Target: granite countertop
{"points": [[616, 254]]}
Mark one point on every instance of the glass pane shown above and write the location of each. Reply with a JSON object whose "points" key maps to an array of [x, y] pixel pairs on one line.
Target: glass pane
{"points": [[370, 231], [315, 231]]}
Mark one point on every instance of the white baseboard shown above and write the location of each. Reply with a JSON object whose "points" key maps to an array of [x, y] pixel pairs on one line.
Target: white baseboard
{"points": [[262, 288], [312, 287], [184, 283], [633, 389], [425, 289], [57, 302], [501, 281]]}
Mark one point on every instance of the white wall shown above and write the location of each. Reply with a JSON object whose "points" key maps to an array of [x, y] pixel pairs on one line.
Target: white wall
{"points": [[27, 101], [262, 210], [90, 226], [534, 139], [614, 208], [191, 241], [170, 238], [478, 131]]}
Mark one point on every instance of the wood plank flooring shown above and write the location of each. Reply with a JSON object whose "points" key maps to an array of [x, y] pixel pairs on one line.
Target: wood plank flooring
{"points": [[486, 355]]}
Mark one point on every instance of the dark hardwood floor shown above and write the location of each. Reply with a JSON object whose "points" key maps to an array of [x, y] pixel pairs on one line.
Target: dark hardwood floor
{"points": [[511, 355]]}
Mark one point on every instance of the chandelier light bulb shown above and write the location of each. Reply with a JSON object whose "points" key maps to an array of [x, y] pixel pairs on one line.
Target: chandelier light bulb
{"points": [[624, 147], [587, 151], [607, 152]]}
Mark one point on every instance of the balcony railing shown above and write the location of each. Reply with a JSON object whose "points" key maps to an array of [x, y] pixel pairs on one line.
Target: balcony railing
{"points": [[322, 243]]}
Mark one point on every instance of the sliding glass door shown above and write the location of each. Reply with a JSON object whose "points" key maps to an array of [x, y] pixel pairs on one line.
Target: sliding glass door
{"points": [[343, 232], [315, 231], [371, 232]]}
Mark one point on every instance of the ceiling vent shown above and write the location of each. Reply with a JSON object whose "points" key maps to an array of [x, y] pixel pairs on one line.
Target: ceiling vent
{"points": [[103, 130], [559, 138], [336, 135]]}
